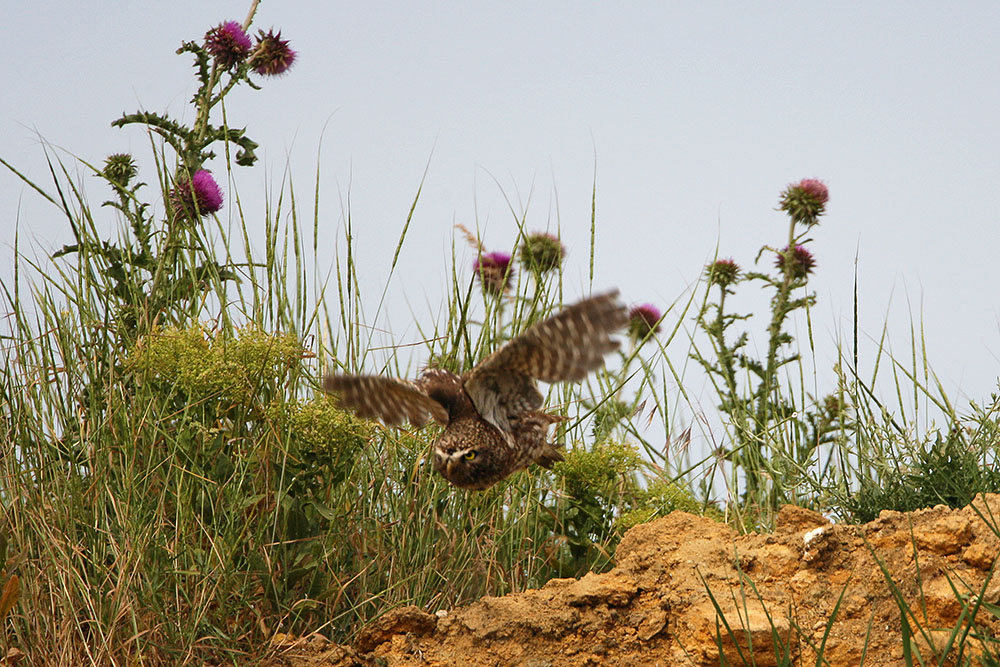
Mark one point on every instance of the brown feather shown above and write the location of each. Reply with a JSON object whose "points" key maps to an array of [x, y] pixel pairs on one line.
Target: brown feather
{"points": [[562, 348], [494, 424], [389, 400]]}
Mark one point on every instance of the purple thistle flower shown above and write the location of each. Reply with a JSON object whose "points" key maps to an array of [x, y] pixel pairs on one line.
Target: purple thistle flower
{"points": [[815, 188], [272, 55], [644, 320], [806, 200], [541, 252], [494, 271], [802, 261], [723, 272], [198, 197], [228, 44]]}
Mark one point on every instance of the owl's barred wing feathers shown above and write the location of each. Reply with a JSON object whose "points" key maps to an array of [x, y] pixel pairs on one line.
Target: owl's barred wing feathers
{"points": [[389, 400], [563, 348], [566, 346]]}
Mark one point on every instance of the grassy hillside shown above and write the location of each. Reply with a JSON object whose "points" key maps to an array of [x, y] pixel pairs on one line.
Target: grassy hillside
{"points": [[176, 489]]}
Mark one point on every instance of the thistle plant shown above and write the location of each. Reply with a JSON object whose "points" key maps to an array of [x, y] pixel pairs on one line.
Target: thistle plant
{"points": [[540, 254], [750, 389], [501, 285], [162, 265]]}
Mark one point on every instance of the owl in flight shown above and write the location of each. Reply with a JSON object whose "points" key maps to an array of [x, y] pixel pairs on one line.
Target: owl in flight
{"points": [[494, 424]]}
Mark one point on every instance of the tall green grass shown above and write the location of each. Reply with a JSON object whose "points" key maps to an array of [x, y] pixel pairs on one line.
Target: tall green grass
{"points": [[175, 489], [174, 486]]}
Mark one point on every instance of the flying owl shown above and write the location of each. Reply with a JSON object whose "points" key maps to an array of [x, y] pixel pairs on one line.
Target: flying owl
{"points": [[494, 424]]}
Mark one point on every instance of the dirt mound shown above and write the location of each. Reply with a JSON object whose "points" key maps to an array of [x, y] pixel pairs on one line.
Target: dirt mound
{"points": [[687, 589]]}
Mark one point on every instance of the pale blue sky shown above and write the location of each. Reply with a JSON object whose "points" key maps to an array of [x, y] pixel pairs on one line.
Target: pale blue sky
{"points": [[699, 114]]}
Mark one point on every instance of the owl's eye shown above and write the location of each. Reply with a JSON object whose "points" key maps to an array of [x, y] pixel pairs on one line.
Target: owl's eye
{"points": [[469, 456]]}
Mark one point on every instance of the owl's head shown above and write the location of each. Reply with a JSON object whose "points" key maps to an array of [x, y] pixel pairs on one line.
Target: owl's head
{"points": [[469, 465]]}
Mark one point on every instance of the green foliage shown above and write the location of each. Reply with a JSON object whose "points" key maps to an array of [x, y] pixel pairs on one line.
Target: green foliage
{"points": [[659, 499], [605, 494], [598, 473], [319, 443], [191, 469], [945, 471], [213, 365], [845, 450], [309, 454], [607, 416], [597, 482]]}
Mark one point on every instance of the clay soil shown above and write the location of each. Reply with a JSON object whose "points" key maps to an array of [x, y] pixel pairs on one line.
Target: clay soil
{"points": [[690, 591]]}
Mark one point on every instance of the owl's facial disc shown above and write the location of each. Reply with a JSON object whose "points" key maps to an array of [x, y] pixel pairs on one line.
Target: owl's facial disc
{"points": [[448, 462], [466, 465], [440, 458], [461, 458]]}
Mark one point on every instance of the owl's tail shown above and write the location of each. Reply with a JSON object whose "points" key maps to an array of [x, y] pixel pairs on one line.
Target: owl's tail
{"points": [[549, 453]]}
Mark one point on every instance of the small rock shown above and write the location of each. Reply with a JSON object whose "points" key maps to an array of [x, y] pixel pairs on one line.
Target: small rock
{"points": [[654, 623], [979, 555], [889, 515], [941, 603], [748, 623], [946, 536], [615, 591]]}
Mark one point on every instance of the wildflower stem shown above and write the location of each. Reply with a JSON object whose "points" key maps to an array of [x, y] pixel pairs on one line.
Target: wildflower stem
{"points": [[204, 104], [726, 357], [250, 15], [779, 310]]}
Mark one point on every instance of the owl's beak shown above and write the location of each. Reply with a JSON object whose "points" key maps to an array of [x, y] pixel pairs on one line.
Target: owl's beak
{"points": [[446, 461]]}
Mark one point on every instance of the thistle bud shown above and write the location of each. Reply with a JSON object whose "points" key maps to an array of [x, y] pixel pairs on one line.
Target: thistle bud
{"points": [[541, 252], [802, 261], [806, 200], [722, 272], [120, 169], [272, 55]]}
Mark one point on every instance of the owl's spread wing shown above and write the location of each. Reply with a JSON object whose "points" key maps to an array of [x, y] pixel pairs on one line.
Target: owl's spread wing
{"points": [[389, 400], [563, 348]]}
